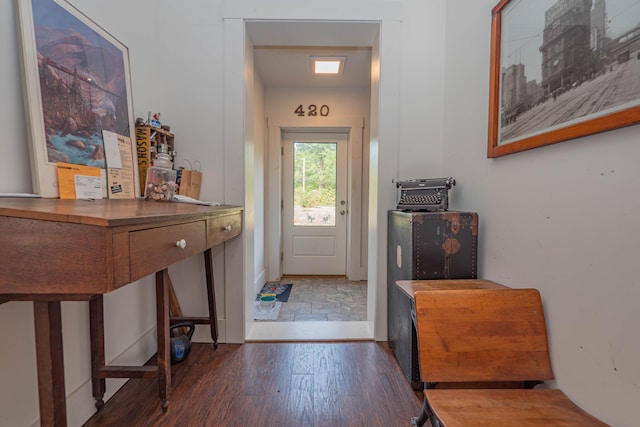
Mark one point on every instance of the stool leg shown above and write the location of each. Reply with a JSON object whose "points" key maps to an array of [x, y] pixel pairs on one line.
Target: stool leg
{"points": [[425, 414], [50, 360], [96, 330], [164, 362], [211, 297], [422, 418]]}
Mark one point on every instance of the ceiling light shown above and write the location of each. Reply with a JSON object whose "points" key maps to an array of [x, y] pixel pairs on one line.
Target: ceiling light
{"points": [[326, 65]]}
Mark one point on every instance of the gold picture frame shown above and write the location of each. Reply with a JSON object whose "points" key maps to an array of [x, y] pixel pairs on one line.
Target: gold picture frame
{"points": [[561, 69]]}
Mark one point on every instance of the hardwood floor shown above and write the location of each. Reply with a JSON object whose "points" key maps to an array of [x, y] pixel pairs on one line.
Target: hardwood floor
{"points": [[273, 384]]}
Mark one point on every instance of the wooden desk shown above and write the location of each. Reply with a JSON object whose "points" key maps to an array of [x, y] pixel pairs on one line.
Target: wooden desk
{"points": [[410, 287], [75, 250], [409, 351]]}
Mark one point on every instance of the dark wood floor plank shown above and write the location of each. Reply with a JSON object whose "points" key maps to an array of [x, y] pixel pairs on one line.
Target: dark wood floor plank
{"points": [[272, 384], [347, 411], [336, 370], [302, 362], [300, 398]]}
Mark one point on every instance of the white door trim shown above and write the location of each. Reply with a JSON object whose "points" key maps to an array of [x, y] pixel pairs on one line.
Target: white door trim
{"points": [[353, 127]]}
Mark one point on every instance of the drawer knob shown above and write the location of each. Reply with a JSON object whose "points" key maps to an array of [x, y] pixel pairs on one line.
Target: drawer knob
{"points": [[227, 228], [181, 243]]}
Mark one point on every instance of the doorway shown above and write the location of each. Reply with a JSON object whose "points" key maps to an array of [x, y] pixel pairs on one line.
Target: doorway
{"points": [[315, 204], [241, 94]]}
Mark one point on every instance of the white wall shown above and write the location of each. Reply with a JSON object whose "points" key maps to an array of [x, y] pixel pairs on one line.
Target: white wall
{"points": [[560, 219], [281, 103], [422, 72], [541, 225], [14, 161]]}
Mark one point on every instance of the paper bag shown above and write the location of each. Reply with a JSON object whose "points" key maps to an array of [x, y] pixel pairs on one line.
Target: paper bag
{"points": [[190, 183]]}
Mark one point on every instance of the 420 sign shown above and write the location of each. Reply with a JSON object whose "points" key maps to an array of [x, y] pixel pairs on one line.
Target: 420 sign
{"points": [[312, 111]]}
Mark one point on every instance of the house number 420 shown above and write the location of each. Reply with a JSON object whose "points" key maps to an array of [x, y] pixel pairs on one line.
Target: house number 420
{"points": [[312, 111]]}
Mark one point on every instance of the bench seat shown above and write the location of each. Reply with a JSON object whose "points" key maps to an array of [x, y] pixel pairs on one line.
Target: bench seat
{"points": [[501, 408], [484, 337]]}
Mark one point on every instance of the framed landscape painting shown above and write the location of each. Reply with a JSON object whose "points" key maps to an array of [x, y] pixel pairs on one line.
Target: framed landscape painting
{"points": [[77, 84], [562, 69]]}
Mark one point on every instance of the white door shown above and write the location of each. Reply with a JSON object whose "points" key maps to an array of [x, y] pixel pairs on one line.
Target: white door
{"points": [[314, 203]]}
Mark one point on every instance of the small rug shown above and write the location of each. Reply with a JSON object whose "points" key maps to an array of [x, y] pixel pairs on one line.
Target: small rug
{"points": [[262, 313], [281, 290]]}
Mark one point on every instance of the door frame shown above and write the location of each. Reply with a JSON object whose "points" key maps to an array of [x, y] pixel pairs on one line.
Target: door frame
{"points": [[353, 127]]}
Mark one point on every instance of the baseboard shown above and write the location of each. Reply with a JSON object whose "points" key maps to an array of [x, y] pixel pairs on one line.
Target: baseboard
{"points": [[261, 279], [202, 333], [80, 401]]}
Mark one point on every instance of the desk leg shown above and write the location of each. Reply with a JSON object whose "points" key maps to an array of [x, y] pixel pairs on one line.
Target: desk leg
{"points": [[50, 360], [211, 296], [96, 329], [164, 362]]}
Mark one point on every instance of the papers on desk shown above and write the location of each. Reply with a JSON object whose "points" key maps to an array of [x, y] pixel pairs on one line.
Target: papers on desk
{"points": [[117, 181], [80, 181], [121, 177], [186, 199]]}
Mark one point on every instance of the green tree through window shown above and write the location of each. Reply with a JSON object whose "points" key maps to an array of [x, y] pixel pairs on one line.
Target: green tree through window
{"points": [[315, 174]]}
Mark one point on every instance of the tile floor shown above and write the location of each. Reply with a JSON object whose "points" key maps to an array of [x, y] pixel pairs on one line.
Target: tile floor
{"points": [[329, 299]]}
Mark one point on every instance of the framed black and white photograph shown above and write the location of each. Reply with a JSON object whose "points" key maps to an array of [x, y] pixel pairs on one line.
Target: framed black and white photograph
{"points": [[562, 69], [77, 84]]}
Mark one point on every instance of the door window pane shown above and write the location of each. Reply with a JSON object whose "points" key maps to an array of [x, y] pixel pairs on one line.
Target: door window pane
{"points": [[314, 183]]}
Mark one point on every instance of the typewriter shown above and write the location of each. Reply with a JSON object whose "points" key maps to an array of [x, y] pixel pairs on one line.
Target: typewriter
{"points": [[430, 194]]}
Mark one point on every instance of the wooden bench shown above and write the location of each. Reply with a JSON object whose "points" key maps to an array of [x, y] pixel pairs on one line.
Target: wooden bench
{"points": [[488, 336]]}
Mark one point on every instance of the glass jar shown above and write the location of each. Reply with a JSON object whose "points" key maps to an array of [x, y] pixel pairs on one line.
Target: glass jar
{"points": [[162, 158], [161, 184]]}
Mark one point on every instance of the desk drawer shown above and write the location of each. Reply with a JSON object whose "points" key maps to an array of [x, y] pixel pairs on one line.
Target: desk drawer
{"points": [[223, 228], [154, 249]]}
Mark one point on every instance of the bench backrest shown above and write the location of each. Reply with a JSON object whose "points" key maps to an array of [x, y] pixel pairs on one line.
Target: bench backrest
{"points": [[482, 335]]}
